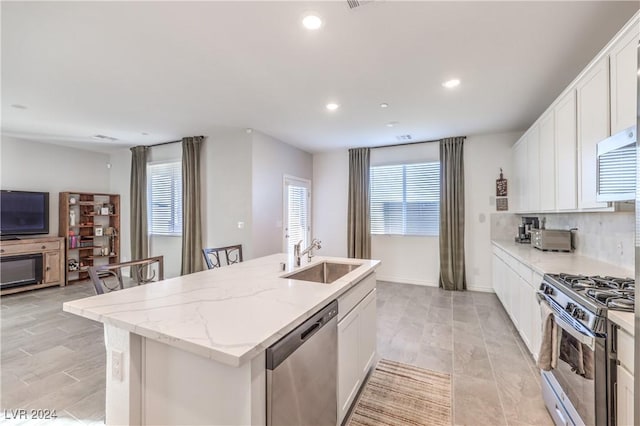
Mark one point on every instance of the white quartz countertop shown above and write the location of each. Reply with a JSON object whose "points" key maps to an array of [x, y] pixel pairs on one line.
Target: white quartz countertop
{"points": [[228, 314], [553, 262]]}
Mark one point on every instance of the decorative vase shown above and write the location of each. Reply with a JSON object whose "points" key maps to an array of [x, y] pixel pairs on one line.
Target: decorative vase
{"points": [[72, 218]]}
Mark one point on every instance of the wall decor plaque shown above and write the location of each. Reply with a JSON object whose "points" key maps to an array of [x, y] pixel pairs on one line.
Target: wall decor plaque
{"points": [[502, 204], [501, 186]]}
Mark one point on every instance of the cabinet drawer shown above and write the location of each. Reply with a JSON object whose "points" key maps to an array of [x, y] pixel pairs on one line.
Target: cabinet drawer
{"points": [[625, 349], [525, 272], [351, 298], [29, 247], [511, 262]]}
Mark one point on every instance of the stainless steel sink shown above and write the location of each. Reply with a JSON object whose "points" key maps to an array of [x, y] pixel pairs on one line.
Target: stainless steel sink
{"points": [[324, 273]]}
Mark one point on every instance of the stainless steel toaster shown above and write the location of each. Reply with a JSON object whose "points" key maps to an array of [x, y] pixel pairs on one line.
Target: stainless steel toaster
{"points": [[551, 239]]}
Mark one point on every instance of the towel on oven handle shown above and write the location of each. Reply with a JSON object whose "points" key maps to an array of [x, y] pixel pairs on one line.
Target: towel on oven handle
{"points": [[549, 345]]}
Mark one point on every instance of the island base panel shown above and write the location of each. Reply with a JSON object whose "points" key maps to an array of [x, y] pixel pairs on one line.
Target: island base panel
{"points": [[165, 385]]}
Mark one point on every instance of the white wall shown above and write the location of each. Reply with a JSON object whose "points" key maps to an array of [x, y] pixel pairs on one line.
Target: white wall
{"points": [[271, 160], [34, 166], [329, 198], [227, 188], [484, 155], [416, 259]]}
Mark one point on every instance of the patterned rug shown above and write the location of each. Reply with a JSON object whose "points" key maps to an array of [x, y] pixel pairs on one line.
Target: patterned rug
{"points": [[399, 394]]}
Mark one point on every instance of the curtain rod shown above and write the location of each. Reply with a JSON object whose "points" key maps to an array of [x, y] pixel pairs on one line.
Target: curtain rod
{"points": [[410, 143], [167, 143]]}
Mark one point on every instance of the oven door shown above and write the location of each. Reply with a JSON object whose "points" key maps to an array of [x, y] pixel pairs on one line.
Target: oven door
{"points": [[581, 370]]}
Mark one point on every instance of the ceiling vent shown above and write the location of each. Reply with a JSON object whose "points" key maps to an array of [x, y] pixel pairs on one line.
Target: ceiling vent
{"points": [[104, 138], [357, 3], [403, 138]]}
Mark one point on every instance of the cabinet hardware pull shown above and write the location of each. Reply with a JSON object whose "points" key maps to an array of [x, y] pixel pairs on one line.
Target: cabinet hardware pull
{"points": [[43, 247], [48, 268]]}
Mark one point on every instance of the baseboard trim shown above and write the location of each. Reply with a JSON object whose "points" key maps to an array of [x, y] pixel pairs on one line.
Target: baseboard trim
{"points": [[480, 288], [406, 281], [425, 283]]}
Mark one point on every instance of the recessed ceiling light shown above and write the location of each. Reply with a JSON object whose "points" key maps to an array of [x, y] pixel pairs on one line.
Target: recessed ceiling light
{"points": [[332, 106], [450, 84], [249, 130], [18, 106], [311, 21], [384, 105], [392, 123]]}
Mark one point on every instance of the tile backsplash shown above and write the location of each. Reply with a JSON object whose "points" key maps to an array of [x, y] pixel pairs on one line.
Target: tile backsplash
{"points": [[608, 237], [504, 226]]}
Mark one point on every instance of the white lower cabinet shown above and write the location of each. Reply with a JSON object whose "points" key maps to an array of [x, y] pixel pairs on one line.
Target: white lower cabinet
{"points": [[356, 350], [624, 390], [515, 285], [536, 329], [624, 379]]}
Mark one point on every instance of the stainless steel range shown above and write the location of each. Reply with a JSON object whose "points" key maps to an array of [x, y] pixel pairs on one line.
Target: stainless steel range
{"points": [[579, 388]]}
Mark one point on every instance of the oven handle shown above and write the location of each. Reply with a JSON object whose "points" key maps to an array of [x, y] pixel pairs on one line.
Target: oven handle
{"points": [[580, 335]]}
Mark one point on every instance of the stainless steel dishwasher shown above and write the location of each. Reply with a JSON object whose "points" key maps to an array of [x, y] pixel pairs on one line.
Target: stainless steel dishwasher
{"points": [[302, 373]]}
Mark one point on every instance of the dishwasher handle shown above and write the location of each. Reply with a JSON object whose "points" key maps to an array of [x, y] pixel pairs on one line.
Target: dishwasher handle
{"points": [[309, 331], [284, 347]]}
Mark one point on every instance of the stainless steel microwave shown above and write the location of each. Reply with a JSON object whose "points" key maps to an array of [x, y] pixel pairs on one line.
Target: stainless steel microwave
{"points": [[616, 167]]}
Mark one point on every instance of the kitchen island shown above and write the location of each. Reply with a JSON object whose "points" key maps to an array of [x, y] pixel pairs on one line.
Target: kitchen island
{"points": [[191, 350]]}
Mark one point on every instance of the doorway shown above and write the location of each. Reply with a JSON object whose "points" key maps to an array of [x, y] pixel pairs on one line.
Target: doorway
{"points": [[296, 213]]}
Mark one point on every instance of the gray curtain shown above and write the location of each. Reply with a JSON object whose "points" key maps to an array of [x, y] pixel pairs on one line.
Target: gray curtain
{"points": [[358, 226], [191, 206], [138, 188], [452, 266]]}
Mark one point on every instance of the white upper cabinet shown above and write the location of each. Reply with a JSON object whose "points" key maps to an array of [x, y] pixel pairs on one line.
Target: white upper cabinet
{"points": [[624, 68], [593, 126], [565, 112], [533, 167], [547, 154], [555, 161], [521, 185]]}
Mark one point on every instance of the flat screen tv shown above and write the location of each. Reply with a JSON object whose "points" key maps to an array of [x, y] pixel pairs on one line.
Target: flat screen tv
{"points": [[24, 213]]}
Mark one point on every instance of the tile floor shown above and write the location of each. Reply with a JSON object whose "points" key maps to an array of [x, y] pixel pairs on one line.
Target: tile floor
{"points": [[467, 334], [51, 359]]}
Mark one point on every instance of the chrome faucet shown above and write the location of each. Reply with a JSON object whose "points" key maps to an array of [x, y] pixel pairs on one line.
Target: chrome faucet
{"points": [[315, 243]]}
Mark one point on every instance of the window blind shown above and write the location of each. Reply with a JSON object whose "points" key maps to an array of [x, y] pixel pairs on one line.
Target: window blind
{"points": [[298, 217], [165, 198], [405, 199]]}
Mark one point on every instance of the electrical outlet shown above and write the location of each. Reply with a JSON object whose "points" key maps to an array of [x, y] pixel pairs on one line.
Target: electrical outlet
{"points": [[116, 365], [240, 225]]}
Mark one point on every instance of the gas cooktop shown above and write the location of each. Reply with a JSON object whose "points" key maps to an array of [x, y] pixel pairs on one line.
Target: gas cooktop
{"points": [[606, 292]]}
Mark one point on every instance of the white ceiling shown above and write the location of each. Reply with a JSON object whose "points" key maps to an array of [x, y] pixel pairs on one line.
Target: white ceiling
{"points": [[174, 69]]}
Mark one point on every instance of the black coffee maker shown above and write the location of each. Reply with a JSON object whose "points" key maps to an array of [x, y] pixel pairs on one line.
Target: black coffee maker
{"points": [[524, 229]]}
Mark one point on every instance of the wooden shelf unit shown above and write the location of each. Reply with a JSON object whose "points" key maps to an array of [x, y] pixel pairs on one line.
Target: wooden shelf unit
{"points": [[88, 216]]}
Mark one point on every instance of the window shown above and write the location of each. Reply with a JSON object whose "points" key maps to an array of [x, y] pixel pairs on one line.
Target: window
{"points": [[405, 199], [165, 198]]}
